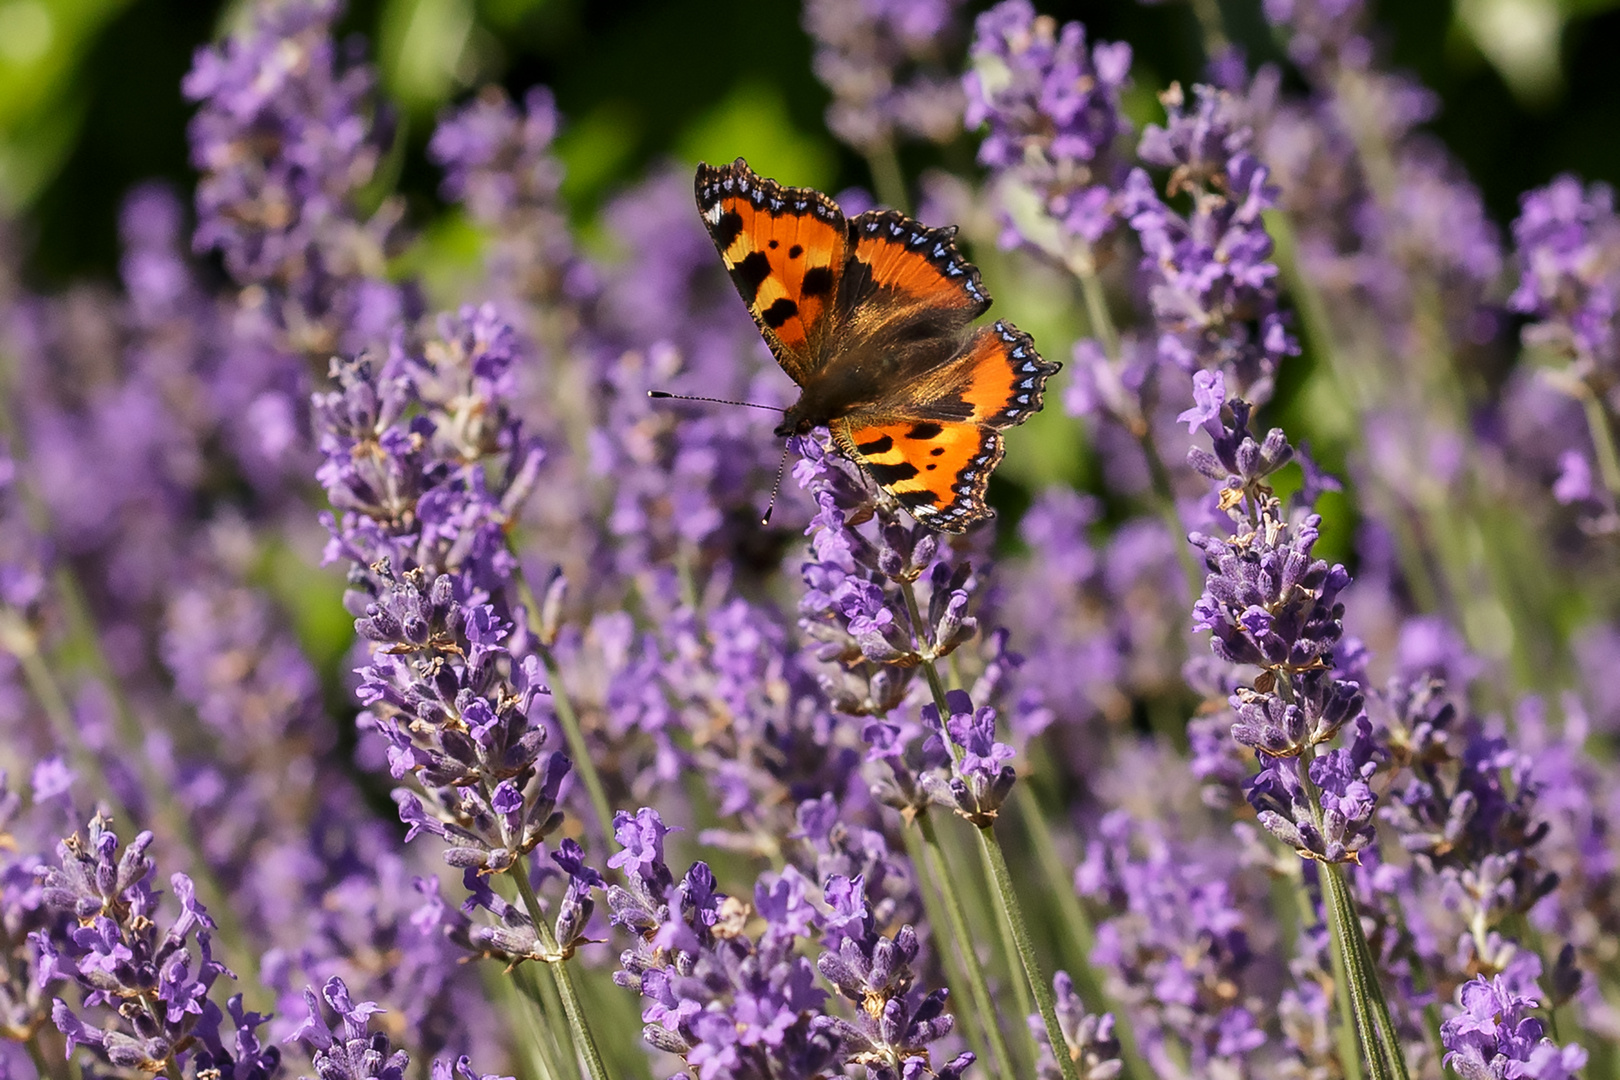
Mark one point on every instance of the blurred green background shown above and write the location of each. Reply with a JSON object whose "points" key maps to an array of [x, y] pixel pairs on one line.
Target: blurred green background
{"points": [[90, 101]]}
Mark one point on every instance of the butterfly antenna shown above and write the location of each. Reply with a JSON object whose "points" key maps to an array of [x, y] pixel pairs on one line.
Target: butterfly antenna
{"points": [[781, 468], [658, 394]]}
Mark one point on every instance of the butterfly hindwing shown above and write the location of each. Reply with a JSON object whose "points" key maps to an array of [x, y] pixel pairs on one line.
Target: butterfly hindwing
{"points": [[785, 249], [934, 442], [937, 470]]}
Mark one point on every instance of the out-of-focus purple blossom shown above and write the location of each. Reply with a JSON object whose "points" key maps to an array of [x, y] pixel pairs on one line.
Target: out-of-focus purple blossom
{"points": [[1088, 1038], [1177, 951], [1052, 106], [1567, 242], [1209, 274], [1493, 1036], [288, 133], [499, 163], [1322, 33], [889, 65]]}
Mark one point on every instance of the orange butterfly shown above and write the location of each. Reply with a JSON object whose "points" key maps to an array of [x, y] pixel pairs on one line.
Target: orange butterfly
{"points": [[872, 317]]}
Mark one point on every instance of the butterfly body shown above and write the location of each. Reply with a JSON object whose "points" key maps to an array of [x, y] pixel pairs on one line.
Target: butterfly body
{"points": [[872, 316]]}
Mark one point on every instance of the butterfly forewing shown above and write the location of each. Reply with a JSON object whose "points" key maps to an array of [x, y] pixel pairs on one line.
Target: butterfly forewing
{"points": [[785, 249]]}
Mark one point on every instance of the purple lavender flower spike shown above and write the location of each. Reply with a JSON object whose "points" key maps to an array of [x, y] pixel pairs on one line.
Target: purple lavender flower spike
{"points": [[888, 65], [1053, 110], [1088, 1038], [117, 953], [1181, 931], [499, 163], [1210, 279], [1567, 239], [286, 137], [896, 1022], [348, 1051], [981, 776], [1493, 1036], [730, 1004]]}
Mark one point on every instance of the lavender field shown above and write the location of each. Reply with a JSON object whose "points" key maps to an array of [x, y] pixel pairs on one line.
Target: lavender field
{"points": [[390, 688]]}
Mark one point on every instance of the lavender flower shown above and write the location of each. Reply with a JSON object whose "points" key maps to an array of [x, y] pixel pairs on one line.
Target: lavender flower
{"points": [[1178, 951], [1272, 606], [981, 778], [350, 1051], [1053, 110], [896, 1023], [287, 137], [498, 164], [888, 64], [730, 1003], [1566, 239], [1493, 1037], [117, 955], [1210, 277], [1088, 1038]]}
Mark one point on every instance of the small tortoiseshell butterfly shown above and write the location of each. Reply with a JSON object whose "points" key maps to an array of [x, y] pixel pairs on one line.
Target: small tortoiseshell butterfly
{"points": [[872, 317]]}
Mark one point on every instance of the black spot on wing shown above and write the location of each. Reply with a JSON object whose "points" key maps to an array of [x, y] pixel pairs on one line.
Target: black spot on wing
{"points": [[880, 445], [891, 474], [727, 229], [818, 281], [924, 431], [936, 451], [779, 312], [795, 251], [750, 274]]}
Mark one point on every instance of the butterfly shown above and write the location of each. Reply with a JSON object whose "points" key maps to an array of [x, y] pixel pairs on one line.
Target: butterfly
{"points": [[873, 317]]}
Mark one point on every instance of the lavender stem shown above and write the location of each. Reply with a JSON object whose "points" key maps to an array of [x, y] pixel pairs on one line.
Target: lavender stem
{"points": [[584, 1042], [1597, 420], [978, 987], [1077, 924], [567, 718], [1012, 912]]}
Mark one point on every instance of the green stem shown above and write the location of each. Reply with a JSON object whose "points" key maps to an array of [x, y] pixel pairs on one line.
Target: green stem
{"points": [[888, 180], [1083, 265], [1374, 1028], [567, 718], [584, 1042], [978, 986], [1078, 924], [530, 1004], [1597, 421], [1349, 1057], [1013, 912]]}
